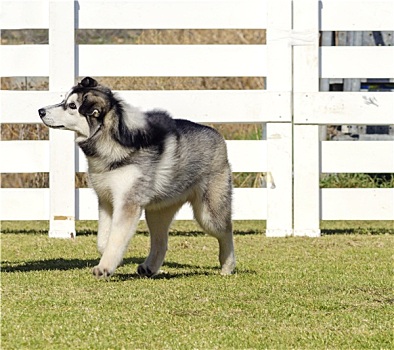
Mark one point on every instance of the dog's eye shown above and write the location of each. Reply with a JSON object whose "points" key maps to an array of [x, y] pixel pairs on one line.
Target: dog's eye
{"points": [[72, 105]]}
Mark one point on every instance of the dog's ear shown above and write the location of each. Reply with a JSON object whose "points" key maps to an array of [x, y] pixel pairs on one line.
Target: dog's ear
{"points": [[90, 106], [88, 82], [93, 109]]}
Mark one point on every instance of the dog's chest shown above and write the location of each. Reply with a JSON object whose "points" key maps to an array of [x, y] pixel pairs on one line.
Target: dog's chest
{"points": [[116, 184]]}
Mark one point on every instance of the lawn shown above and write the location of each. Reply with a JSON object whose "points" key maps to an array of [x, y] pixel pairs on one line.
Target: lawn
{"points": [[306, 293]]}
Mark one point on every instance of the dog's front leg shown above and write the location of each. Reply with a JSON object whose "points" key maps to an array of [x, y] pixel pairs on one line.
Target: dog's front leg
{"points": [[104, 224], [124, 223]]}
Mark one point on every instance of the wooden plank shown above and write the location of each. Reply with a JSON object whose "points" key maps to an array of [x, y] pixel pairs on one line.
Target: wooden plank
{"points": [[244, 156], [62, 154], [306, 180], [351, 15], [357, 203], [31, 14], [24, 204], [216, 106], [280, 179], [335, 15], [24, 156], [357, 157], [279, 55], [204, 106], [375, 108], [22, 106], [306, 137], [306, 42], [249, 204], [13, 60], [357, 62], [86, 207], [173, 60], [279, 135], [247, 155], [167, 14], [130, 14], [142, 60]]}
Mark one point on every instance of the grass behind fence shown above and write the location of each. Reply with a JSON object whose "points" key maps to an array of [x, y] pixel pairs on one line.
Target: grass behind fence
{"points": [[310, 293]]}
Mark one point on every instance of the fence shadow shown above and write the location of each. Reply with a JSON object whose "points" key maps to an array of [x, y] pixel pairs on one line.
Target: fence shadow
{"points": [[356, 231]]}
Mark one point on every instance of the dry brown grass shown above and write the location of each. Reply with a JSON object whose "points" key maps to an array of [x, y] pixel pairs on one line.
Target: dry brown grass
{"points": [[142, 37]]}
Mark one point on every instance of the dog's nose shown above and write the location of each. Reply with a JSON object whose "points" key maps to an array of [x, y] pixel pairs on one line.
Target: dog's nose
{"points": [[42, 112]]}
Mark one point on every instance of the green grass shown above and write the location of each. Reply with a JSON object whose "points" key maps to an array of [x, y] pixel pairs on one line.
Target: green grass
{"points": [[330, 292], [357, 180]]}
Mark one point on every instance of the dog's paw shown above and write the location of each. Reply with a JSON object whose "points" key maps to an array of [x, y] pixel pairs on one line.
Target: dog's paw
{"points": [[145, 271], [99, 272], [226, 272], [228, 269]]}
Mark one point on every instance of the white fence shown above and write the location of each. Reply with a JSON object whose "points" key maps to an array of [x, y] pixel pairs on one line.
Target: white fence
{"points": [[291, 107]]}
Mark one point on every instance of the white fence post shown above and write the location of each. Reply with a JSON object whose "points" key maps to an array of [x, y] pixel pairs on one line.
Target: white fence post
{"points": [[306, 137], [279, 135], [62, 154]]}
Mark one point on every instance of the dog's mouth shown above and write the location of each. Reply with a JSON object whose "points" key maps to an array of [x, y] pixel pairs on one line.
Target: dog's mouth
{"points": [[55, 126]]}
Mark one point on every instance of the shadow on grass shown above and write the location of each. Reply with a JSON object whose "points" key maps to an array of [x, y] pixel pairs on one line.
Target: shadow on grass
{"points": [[197, 271], [48, 265], [72, 264], [58, 264], [122, 277], [86, 232], [357, 231]]}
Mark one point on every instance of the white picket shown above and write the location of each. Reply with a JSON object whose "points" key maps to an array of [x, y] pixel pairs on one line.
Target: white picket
{"points": [[306, 138], [24, 204], [87, 208], [353, 15], [62, 155], [142, 60], [167, 14], [172, 60], [344, 108], [357, 62], [279, 135], [32, 14], [21, 107], [13, 60], [203, 106], [357, 157], [24, 156], [357, 204]]}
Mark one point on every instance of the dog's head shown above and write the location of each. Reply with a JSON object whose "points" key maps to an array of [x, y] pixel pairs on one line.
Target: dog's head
{"points": [[82, 110]]}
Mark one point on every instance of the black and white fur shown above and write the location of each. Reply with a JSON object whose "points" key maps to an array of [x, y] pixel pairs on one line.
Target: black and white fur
{"points": [[146, 161]]}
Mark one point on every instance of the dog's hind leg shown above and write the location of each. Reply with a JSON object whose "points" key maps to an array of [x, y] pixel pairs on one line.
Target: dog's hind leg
{"points": [[124, 223], [104, 225], [158, 222], [212, 210]]}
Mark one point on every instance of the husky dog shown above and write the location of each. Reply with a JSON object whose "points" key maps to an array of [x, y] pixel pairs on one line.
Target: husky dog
{"points": [[146, 161]]}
